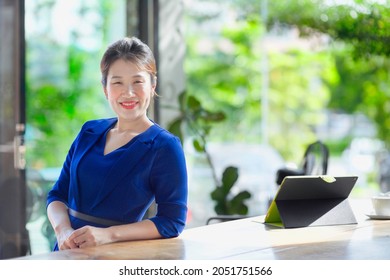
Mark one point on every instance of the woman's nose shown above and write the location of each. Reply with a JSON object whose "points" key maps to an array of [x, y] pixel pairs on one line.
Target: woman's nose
{"points": [[129, 90]]}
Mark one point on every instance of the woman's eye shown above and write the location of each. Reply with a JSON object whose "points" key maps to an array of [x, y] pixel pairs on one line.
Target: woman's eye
{"points": [[138, 82]]}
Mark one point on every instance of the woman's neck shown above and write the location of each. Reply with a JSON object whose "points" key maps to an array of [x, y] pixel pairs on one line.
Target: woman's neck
{"points": [[138, 126]]}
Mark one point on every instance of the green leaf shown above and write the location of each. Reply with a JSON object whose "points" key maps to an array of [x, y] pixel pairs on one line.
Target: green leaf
{"points": [[199, 147], [175, 128], [181, 99], [221, 209], [229, 177], [241, 209], [218, 194], [237, 203], [214, 116], [193, 103], [241, 196]]}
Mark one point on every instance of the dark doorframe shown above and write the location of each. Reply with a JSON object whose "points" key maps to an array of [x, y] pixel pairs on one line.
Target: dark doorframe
{"points": [[14, 239], [159, 23], [148, 32]]}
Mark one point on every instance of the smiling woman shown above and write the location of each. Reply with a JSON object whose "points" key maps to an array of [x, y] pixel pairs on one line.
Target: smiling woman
{"points": [[117, 167]]}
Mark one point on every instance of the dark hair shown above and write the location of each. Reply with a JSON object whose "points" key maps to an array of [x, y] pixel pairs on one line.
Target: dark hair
{"points": [[130, 49]]}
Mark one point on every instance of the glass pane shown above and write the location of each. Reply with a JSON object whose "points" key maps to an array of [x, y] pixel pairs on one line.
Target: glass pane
{"points": [[63, 89]]}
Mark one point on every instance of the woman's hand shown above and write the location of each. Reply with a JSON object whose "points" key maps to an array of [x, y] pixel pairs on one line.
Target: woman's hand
{"points": [[57, 212], [63, 239], [89, 236]]}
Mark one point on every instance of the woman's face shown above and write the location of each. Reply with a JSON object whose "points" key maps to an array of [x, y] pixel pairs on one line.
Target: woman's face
{"points": [[128, 90]]}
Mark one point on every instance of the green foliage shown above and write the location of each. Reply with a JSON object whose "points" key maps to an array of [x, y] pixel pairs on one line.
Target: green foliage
{"points": [[363, 24], [338, 146], [228, 75], [297, 98], [54, 104], [196, 121], [226, 203], [364, 86], [355, 69], [63, 87], [361, 53]]}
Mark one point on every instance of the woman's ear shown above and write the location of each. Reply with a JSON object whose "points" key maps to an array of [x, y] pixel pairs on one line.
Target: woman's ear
{"points": [[154, 82], [154, 86], [105, 91]]}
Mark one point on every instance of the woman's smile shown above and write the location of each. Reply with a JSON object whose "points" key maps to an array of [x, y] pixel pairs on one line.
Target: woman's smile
{"points": [[129, 104]]}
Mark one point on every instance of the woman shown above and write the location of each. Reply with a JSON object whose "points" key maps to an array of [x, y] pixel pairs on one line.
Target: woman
{"points": [[117, 167]]}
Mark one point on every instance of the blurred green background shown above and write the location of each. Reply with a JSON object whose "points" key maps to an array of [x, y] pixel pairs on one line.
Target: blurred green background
{"points": [[263, 80]]}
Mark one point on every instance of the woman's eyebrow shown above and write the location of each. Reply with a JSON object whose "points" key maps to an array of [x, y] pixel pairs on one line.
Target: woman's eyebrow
{"points": [[116, 77], [138, 76], [134, 76]]}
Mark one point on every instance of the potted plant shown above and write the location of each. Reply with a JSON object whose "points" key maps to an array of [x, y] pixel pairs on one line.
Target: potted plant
{"points": [[199, 121]]}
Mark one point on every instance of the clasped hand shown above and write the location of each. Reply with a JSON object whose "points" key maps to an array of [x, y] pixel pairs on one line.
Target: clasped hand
{"points": [[87, 236]]}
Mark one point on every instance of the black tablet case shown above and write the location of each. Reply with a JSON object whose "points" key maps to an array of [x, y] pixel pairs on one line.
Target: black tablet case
{"points": [[303, 201]]}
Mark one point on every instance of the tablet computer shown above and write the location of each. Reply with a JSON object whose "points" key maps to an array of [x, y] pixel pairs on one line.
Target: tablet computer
{"points": [[312, 200]]}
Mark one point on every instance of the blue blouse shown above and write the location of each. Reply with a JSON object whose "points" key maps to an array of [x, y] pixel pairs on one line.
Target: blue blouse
{"points": [[121, 185]]}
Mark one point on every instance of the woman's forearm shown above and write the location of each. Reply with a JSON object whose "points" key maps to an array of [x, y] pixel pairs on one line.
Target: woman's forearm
{"points": [[89, 236], [57, 213], [145, 229]]}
